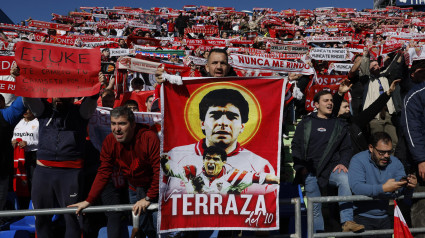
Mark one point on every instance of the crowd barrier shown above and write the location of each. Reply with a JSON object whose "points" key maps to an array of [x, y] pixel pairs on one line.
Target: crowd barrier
{"points": [[295, 201], [331, 199], [128, 207]]}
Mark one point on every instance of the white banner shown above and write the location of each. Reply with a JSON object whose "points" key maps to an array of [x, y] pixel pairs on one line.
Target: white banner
{"points": [[276, 65], [121, 52], [198, 60], [96, 44], [329, 54], [328, 39], [340, 67], [138, 24], [416, 53], [138, 65], [290, 48]]}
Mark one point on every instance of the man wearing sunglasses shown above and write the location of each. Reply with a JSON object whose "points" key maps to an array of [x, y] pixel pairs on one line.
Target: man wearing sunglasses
{"points": [[376, 173]]}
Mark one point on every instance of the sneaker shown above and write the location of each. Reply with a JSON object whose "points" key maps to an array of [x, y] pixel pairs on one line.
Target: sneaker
{"points": [[285, 136], [352, 226]]}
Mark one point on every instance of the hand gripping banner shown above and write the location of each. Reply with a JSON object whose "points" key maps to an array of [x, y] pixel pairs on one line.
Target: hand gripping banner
{"points": [[222, 140]]}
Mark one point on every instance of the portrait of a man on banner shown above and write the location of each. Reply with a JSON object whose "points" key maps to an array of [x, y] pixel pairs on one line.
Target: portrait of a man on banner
{"points": [[221, 140]]}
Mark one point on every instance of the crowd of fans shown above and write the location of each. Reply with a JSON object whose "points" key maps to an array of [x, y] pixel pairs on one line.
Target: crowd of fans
{"points": [[376, 110]]}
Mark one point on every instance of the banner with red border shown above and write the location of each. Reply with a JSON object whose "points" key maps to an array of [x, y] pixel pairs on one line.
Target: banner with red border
{"points": [[232, 116]]}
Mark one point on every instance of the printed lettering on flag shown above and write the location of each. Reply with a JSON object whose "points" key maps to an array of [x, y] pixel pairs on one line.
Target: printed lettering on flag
{"points": [[252, 62], [222, 139], [329, 54], [324, 82], [48, 70]]}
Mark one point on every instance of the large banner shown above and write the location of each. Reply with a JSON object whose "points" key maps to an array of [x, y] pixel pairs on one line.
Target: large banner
{"points": [[222, 137], [53, 71]]}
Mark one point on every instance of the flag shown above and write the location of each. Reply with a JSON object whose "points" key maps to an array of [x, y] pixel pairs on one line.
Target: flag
{"points": [[401, 230], [236, 196]]}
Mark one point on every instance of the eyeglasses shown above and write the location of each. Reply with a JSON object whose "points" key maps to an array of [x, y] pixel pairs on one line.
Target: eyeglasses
{"points": [[383, 152]]}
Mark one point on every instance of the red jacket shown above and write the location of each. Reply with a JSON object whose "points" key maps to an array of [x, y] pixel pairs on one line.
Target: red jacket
{"points": [[138, 161]]}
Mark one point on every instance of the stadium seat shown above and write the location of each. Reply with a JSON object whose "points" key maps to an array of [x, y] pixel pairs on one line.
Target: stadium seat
{"points": [[15, 234], [27, 223], [103, 232]]}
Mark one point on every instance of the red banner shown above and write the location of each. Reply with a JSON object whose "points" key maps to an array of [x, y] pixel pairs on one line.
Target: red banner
{"points": [[138, 40], [233, 116], [324, 82], [53, 71], [49, 25], [7, 87], [5, 64]]}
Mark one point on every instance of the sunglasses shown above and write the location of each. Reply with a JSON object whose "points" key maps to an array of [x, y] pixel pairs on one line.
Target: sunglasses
{"points": [[383, 152], [174, 56]]}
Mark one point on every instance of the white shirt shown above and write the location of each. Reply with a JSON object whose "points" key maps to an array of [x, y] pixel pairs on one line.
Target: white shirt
{"points": [[27, 131]]}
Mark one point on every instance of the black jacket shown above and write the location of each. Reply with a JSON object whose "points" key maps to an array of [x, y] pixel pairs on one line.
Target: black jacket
{"points": [[337, 151], [62, 134], [358, 124]]}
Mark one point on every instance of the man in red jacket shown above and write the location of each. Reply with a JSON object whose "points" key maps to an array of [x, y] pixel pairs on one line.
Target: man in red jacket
{"points": [[135, 149]]}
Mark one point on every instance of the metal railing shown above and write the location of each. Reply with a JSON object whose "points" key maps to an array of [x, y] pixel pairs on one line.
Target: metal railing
{"points": [[129, 207], [330, 199], [72, 210]]}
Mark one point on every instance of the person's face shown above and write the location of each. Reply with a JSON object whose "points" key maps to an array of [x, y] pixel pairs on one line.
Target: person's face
{"points": [[222, 125], [217, 65], [106, 53], [149, 104], [61, 103], [28, 115], [224, 35], [121, 43], [213, 165], [174, 58], [374, 67], [324, 106], [108, 100], [133, 108], [148, 35], [381, 153], [418, 76], [344, 108], [206, 53], [122, 129]]}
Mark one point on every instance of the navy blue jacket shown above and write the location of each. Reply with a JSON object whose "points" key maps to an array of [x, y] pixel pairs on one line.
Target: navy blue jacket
{"points": [[62, 134], [413, 121]]}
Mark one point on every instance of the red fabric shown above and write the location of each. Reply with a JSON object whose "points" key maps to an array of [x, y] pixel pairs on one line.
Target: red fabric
{"points": [[401, 230], [138, 161], [75, 164], [171, 27], [78, 70], [191, 73], [20, 181]]}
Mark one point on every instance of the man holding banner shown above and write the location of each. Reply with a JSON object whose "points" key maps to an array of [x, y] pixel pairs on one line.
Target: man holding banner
{"points": [[228, 114], [65, 73]]}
